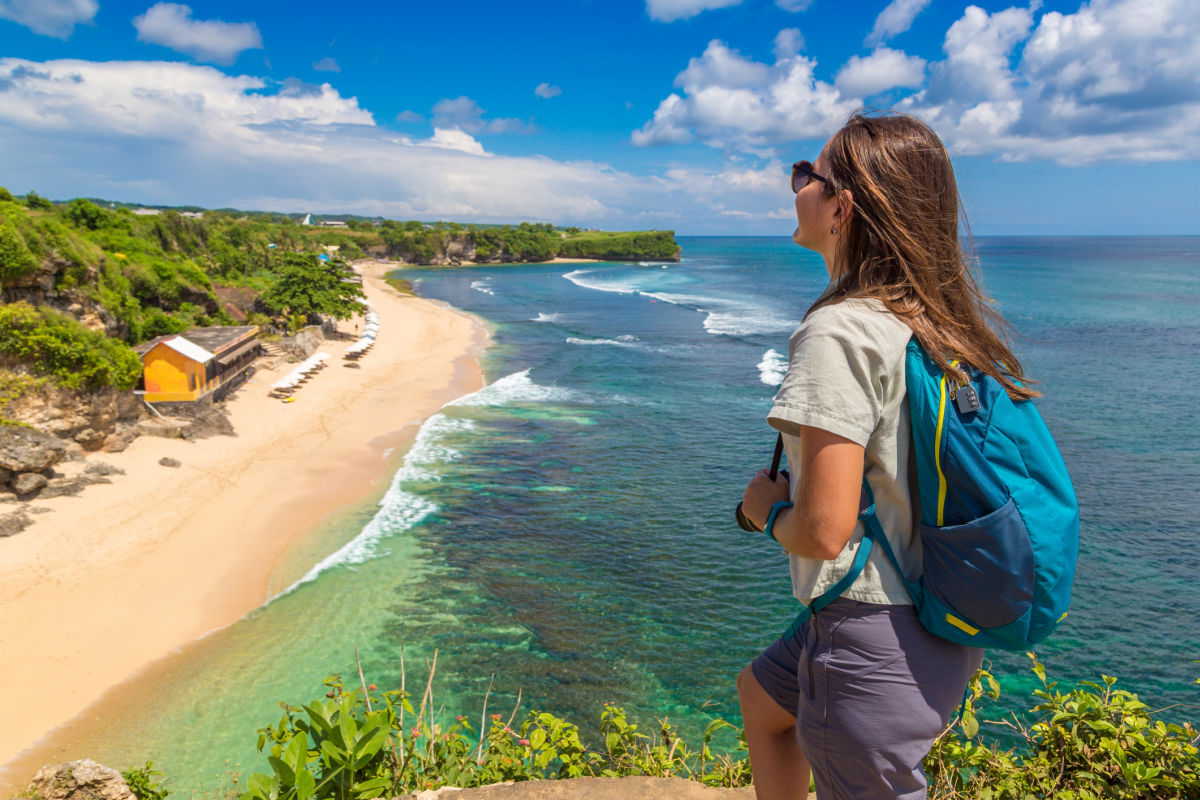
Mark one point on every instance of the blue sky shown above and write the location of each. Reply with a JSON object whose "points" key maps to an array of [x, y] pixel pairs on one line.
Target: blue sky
{"points": [[1063, 117]]}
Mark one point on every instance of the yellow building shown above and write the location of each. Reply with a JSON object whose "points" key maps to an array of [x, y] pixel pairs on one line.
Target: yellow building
{"points": [[190, 366]]}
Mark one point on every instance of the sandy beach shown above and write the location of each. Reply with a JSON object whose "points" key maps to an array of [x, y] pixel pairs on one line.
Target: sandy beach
{"points": [[122, 575]]}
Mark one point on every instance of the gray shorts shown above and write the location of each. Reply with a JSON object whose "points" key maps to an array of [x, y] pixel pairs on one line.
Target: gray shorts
{"points": [[876, 691]]}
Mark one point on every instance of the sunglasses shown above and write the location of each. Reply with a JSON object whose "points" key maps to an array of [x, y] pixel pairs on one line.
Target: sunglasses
{"points": [[803, 174]]}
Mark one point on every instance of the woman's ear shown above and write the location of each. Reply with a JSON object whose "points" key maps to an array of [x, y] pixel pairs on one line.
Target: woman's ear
{"points": [[845, 209]]}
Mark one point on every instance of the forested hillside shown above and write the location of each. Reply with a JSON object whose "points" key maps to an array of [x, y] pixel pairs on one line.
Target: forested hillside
{"points": [[82, 281]]}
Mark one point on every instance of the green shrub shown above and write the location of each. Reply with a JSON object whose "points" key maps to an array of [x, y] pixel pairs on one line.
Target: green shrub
{"points": [[86, 214], [156, 322], [16, 261], [34, 200], [144, 782], [1091, 743], [52, 344], [6, 196], [354, 745]]}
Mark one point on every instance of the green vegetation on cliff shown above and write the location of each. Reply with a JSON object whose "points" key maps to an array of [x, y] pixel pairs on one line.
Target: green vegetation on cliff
{"points": [[1093, 742], [416, 243], [134, 276], [619, 246], [55, 346]]}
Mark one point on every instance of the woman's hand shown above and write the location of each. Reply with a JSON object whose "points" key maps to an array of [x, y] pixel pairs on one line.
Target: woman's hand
{"points": [[761, 494]]}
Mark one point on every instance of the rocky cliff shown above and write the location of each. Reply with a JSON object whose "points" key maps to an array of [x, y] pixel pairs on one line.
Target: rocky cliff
{"points": [[45, 287]]}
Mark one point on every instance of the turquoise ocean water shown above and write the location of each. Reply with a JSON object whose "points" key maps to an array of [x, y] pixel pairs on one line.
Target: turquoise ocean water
{"points": [[567, 532]]}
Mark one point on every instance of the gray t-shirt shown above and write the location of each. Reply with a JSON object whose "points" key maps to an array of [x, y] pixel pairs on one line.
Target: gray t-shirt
{"points": [[846, 376]]}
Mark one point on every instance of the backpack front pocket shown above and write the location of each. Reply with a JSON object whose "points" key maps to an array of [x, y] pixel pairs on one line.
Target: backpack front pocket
{"points": [[982, 569]]}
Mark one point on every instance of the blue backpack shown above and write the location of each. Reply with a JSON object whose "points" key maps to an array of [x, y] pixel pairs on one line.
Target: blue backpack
{"points": [[999, 522]]}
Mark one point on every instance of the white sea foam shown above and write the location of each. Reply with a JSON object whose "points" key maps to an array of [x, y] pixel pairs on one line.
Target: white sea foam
{"points": [[588, 279], [627, 340], [482, 286], [544, 317], [746, 322], [772, 368], [399, 510], [518, 388], [724, 316], [728, 316]]}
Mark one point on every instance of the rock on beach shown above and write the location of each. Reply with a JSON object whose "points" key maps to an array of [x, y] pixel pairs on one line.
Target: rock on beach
{"points": [[77, 780]]}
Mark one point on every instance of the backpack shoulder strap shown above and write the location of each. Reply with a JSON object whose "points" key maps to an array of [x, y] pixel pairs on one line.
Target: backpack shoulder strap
{"points": [[875, 532], [856, 568]]}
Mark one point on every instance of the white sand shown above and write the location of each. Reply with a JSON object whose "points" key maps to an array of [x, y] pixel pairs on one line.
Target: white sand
{"points": [[111, 580]]}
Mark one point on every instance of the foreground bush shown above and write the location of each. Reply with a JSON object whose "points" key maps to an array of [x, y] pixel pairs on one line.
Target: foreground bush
{"points": [[355, 744], [1089, 743]]}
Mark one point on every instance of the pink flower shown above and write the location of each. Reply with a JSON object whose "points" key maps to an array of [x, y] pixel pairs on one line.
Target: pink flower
{"points": [[523, 742], [371, 687], [495, 716], [416, 732]]}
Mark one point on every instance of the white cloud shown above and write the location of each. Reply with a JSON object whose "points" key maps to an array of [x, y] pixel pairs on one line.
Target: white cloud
{"points": [[881, 70], [327, 64], [895, 20], [177, 133], [978, 50], [795, 6], [56, 18], [1119, 54], [788, 42], [672, 10], [730, 100], [168, 99], [1114, 80], [546, 91], [466, 115], [171, 25], [454, 139]]}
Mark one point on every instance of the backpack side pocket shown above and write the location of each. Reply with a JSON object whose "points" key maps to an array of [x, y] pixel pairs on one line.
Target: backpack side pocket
{"points": [[982, 569]]}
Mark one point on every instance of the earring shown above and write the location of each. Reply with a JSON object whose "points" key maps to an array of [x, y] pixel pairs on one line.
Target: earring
{"points": [[833, 230]]}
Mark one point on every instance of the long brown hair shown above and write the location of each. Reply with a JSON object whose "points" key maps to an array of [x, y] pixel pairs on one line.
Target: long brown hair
{"points": [[900, 244]]}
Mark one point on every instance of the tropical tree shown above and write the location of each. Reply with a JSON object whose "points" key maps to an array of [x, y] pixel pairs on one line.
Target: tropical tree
{"points": [[306, 285], [34, 200]]}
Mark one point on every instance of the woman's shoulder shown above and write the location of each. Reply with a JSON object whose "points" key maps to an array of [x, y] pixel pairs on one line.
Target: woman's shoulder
{"points": [[856, 318]]}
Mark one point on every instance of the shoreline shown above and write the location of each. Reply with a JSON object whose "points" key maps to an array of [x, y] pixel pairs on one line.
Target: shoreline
{"points": [[467, 264], [104, 585]]}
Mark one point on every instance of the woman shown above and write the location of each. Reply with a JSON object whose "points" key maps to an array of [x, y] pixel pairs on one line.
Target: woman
{"points": [[860, 691]]}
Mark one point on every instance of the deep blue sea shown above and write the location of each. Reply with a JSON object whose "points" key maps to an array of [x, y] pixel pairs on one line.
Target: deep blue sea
{"points": [[567, 532]]}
